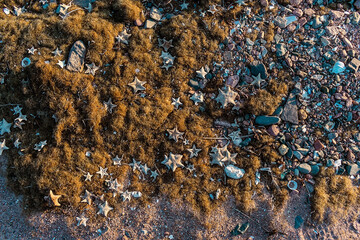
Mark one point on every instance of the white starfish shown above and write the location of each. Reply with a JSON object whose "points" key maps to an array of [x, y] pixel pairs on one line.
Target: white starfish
{"points": [[114, 185], [257, 80], [123, 37], [5, 127], [176, 102], [17, 110], [190, 167], [102, 172], [40, 145], [184, 5], [175, 134], [186, 142], [88, 177], [57, 52], [201, 73], [216, 156], [144, 168], [137, 85], [109, 105], [135, 165], [82, 220], [193, 151], [173, 161], [43, 1], [17, 143], [165, 44], [126, 195], [154, 174], [117, 160], [61, 63], [212, 9], [21, 117], [197, 98], [87, 197], [91, 69], [226, 96], [3, 147], [32, 50], [104, 209]]}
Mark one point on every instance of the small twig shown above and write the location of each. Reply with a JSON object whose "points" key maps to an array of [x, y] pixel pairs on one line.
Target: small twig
{"points": [[215, 138]]}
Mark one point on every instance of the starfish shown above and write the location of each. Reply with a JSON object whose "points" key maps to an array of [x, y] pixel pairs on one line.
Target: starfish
{"points": [[57, 52], [117, 160], [61, 63], [184, 5], [226, 96], [19, 11], [18, 123], [17, 110], [154, 174], [109, 105], [202, 14], [190, 167], [165, 44], [54, 199], [212, 9], [81, 220], [186, 142], [228, 157], [257, 80], [123, 37], [201, 73], [235, 137], [3, 147], [137, 85], [102, 172], [43, 2], [5, 127], [87, 197], [167, 58], [167, 66], [197, 98], [216, 156], [126, 195], [32, 50], [114, 185], [176, 102], [21, 117], [91, 68], [145, 168], [135, 165], [40, 145], [193, 151], [104, 209], [173, 161], [16, 143], [175, 134], [88, 177]]}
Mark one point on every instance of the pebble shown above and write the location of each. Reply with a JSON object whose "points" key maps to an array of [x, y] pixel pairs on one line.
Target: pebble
{"points": [[267, 120], [234, 172], [354, 64], [316, 22], [314, 169], [274, 130], [352, 169], [257, 67], [283, 149], [155, 14], [304, 168], [298, 155], [302, 114], [76, 57], [280, 49], [149, 23], [290, 113], [338, 67], [318, 145]]}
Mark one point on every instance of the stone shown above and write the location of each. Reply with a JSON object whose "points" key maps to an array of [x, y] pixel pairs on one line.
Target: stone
{"points": [[257, 67], [302, 114], [298, 12], [280, 22], [350, 156], [83, 3], [76, 57], [298, 155], [283, 149], [304, 168], [357, 4], [155, 14], [314, 169], [149, 23], [309, 11], [267, 120], [318, 145], [338, 67], [352, 169], [354, 64], [264, 3], [332, 30], [290, 113], [274, 130], [234, 172], [281, 49], [336, 14], [295, 2], [138, 22], [347, 42], [316, 22]]}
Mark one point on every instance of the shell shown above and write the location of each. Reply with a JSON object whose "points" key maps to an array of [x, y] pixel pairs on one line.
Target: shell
{"points": [[25, 62]]}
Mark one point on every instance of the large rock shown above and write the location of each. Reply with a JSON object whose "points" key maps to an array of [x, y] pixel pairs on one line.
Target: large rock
{"points": [[234, 172], [290, 112], [76, 57], [267, 120], [257, 67], [304, 168]]}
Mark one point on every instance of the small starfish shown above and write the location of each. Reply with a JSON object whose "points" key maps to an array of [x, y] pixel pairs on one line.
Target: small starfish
{"points": [[3, 147], [154, 174], [32, 50], [81, 220], [190, 167], [257, 80], [202, 14], [5, 127], [184, 5], [175, 134], [126, 195], [18, 123], [114, 185], [102, 172], [17, 110], [123, 37], [137, 85], [212, 9], [117, 160], [201, 73], [186, 142], [197, 98], [228, 157], [145, 168], [167, 58], [40, 145], [57, 52], [88, 177], [91, 69], [21, 117], [16, 143], [135, 165], [173, 161], [109, 105], [216, 156], [61, 63], [54, 199], [193, 151], [87, 197], [165, 44], [43, 2], [226, 96], [167, 66], [176, 102], [104, 209], [240, 2]]}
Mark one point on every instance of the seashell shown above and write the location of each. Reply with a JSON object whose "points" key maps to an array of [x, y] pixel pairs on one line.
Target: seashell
{"points": [[25, 62], [292, 185]]}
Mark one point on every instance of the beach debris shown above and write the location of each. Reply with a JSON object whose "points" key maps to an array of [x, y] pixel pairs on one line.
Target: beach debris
{"points": [[175, 134], [82, 220], [117, 160], [102, 172], [91, 69], [226, 96], [292, 185], [298, 222], [40, 145], [76, 57], [61, 63], [25, 62], [193, 151], [176, 102], [173, 161], [3, 147], [123, 37], [88, 177], [53, 199], [87, 197], [109, 106], [104, 209], [234, 172], [137, 85], [240, 229]]}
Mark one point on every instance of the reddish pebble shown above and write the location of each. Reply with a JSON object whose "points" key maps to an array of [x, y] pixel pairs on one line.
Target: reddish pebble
{"points": [[273, 130], [138, 22], [318, 145]]}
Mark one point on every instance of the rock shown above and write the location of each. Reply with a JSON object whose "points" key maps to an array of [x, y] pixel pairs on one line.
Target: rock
{"points": [[355, 18], [295, 2], [290, 113], [240, 229], [332, 30], [232, 81], [274, 130], [309, 11], [298, 155], [347, 42], [290, 20], [304, 168], [76, 57], [83, 3], [357, 4], [316, 22], [234, 172], [314, 169], [338, 67], [318, 145], [138, 22], [257, 67], [149, 23], [354, 64], [350, 156], [335, 15], [264, 3], [302, 114], [283, 149], [155, 14], [281, 49], [298, 222], [298, 12], [352, 169], [280, 22], [278, 111], [267, 120]]}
